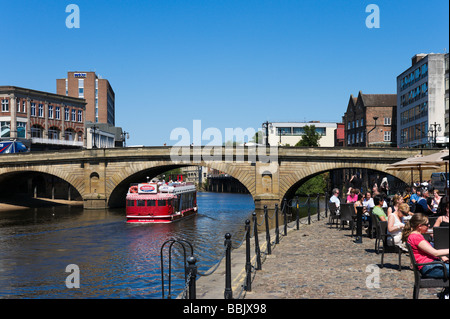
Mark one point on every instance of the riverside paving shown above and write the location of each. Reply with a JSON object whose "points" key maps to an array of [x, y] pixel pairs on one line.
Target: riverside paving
{"points": [[318, 262]]}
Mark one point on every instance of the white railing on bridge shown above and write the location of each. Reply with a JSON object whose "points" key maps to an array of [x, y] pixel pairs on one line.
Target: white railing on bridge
{"points": [[39, 140]]}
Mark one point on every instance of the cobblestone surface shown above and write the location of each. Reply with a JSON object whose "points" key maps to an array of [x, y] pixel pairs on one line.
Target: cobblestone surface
{"points": [[321, 263]]}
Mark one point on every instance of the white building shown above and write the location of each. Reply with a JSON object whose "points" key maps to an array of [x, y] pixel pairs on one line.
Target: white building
{"points": [[422, 103], [103, 135], [290, 133]]}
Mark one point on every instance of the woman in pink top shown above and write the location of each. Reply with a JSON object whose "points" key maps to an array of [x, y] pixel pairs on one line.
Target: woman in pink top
{"points": [[422, 250], [352, 195]]}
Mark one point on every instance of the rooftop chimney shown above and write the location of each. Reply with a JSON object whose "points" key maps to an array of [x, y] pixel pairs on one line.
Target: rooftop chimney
{"points": [[417, 58]]}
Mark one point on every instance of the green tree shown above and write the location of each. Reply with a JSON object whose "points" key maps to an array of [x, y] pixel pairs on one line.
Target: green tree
{"points": [[313, 186], [310, 136], [258, 137]]}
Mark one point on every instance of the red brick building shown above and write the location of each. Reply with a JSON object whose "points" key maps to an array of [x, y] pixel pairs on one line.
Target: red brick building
{"points": [[363, 113], [97, 92], [41, 119]]}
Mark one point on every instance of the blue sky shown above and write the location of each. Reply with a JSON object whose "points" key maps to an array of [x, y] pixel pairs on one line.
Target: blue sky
{"points": [[228, 63]]}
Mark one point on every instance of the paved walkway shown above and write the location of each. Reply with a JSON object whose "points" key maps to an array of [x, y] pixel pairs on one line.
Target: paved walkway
{"points": [[322, 263]]}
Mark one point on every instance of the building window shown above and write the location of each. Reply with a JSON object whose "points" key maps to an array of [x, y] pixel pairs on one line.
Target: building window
{"points": [[21, 129], [36, 131], [57, 112], [74, 115], [66, 114], [67, 87], [80, 116], [41, 110], [387, 121], [53, 133], [69, 135], [33, 109], [18, 105], [424, 70], [50, 111], [5, 129], [81, 88], [284, 130], [5, 105], [387, 136]]}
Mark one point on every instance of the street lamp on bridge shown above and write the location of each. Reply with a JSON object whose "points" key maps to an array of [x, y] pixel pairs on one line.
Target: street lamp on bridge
{"points": [[433, 129], [93, 132]]}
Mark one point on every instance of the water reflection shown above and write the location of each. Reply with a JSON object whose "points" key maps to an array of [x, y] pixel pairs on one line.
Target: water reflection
{"points": [[116, 259]]}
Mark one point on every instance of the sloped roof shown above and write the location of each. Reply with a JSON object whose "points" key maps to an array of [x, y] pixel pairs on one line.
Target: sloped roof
{"points": [[378, 99]]}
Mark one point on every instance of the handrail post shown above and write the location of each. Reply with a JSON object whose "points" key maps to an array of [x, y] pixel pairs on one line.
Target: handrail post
{"points": [[309, 209], [248, 264], [228, 291], [284, 216], [257, 250], [318, 207], [298, 213], [277, 230], [359, 213], [192, 271], [266, 219]]}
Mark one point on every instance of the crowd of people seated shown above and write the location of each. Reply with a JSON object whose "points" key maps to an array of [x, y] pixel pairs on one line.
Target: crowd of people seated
{"points": [[407, 218]]}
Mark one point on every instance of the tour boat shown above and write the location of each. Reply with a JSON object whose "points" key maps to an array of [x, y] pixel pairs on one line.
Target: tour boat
{"points": [[160, 202]]}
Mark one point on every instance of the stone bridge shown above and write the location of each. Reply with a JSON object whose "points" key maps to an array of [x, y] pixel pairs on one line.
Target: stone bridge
{"points": [[102, 176]]}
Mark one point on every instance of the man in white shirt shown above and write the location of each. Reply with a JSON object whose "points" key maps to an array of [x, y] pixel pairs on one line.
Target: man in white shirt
{"points": [[368, 202], [335, 198]]}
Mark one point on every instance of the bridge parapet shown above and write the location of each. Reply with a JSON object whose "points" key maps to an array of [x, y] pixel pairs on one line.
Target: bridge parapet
{"points": [[101, 176]]}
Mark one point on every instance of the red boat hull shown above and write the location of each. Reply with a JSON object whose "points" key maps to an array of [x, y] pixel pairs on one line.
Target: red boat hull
{"points": [[144, 204], [160, 219]]}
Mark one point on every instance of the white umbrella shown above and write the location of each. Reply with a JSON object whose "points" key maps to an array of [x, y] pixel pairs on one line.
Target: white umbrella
{"points": [[435, 158], [412, 163]]}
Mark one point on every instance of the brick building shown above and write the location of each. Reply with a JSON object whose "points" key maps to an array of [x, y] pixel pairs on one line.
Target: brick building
{"points": [[42, 120], [97, 92], [370, 120]]}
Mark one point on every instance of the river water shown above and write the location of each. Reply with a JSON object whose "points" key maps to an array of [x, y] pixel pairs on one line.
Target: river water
{"points": [[115, 259]]}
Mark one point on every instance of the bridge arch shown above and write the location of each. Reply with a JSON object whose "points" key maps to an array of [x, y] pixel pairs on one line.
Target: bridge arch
{"points": [[37, 182], [138, 172], [287, 190]]}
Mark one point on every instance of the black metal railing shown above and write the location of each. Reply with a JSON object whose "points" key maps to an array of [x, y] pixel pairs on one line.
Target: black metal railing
{"points": [[288, 208]]}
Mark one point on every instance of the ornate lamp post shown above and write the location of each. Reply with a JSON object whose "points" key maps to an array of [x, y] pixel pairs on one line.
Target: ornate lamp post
{"points": [[93, 130], [125, 136], [266, 126], [434, 128]]}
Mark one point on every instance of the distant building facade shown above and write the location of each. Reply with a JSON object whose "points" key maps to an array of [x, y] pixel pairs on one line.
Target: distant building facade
{"points": [[370, 120], [98, 93], [290, 133], [103, 135], [422, 102], [42, 120], [339, 135]]}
